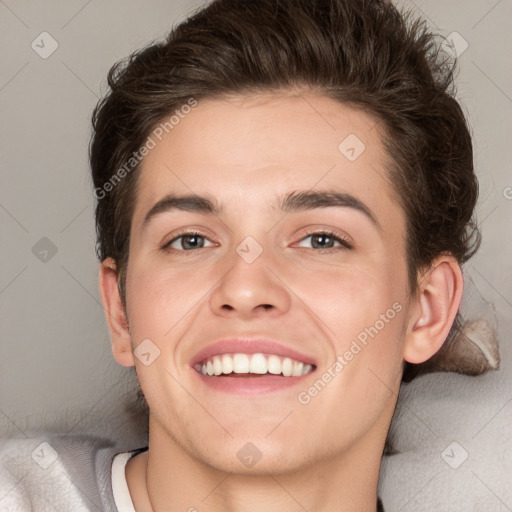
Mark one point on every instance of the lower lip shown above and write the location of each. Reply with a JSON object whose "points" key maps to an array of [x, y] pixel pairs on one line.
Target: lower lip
{"points": [[251, 385]]}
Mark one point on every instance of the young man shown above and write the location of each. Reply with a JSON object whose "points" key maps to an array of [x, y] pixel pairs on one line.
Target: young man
{"points": [[285, 196]]}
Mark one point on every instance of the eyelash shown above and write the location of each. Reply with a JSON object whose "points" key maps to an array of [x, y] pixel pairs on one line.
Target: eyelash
{"points": [[166, 246], [345, 244]]}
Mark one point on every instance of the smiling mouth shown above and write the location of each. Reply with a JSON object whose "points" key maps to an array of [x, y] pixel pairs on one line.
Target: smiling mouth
{"points": [[241, 365]]}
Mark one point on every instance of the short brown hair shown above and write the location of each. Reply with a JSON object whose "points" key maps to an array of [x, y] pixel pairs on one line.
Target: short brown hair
{"points": [[362, 52]]}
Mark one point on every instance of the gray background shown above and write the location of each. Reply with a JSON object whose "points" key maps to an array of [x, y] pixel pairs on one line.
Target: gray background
{"points": [[56, 368]]}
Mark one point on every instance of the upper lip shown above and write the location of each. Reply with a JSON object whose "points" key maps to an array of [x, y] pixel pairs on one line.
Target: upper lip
{"points": [[245, 345]]}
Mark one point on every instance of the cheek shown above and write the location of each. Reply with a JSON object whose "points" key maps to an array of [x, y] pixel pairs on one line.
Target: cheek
{"points": [[158, 297], [372, 352], [351, 298], [362, 312]]}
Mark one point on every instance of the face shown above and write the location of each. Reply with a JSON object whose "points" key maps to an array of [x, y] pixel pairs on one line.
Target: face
{"points": [[293, 237]]}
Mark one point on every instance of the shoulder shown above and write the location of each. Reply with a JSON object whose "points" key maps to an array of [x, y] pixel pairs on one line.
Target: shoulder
{"points": [[56, 471]]}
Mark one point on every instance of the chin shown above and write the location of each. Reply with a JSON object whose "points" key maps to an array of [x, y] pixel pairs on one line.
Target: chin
{"points": [[254, 455]]}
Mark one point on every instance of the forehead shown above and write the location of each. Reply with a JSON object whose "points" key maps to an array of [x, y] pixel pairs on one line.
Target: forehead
{"points": [[246, 150]]}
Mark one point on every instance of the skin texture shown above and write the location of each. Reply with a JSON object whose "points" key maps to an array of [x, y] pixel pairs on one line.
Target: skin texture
{"points": [[245, 153]]}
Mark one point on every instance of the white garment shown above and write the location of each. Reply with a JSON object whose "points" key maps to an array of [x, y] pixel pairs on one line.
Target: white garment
{"points": [[120, 489]]}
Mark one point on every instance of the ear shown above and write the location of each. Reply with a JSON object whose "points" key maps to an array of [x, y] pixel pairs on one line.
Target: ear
{"points": [[434, 309], [115, 313]]}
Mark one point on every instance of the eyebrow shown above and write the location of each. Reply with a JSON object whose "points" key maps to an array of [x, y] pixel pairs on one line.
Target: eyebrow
{"points": [[188, 203], [312, 199], [299, 200]]}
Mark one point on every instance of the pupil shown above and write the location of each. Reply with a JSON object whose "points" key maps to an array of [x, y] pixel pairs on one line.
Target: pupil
{"points": [[192, 242], [322, 241]]}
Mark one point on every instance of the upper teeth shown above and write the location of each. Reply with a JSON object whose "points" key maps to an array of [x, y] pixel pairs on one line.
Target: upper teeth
{"points": [[253, 363]]}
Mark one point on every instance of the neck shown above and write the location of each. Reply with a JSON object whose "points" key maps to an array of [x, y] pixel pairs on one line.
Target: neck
{"points": [[169, 477]]}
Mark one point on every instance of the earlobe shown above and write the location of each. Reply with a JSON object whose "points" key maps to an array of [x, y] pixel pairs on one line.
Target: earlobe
{"points": [[115, 313], [434, 310]]}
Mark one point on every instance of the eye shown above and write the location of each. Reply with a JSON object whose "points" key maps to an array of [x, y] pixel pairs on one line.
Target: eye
{"points": [[187, 242], [324, 240]]}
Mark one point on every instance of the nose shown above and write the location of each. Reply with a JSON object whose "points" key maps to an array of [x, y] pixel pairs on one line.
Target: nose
{"points": [[250, 290]]}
